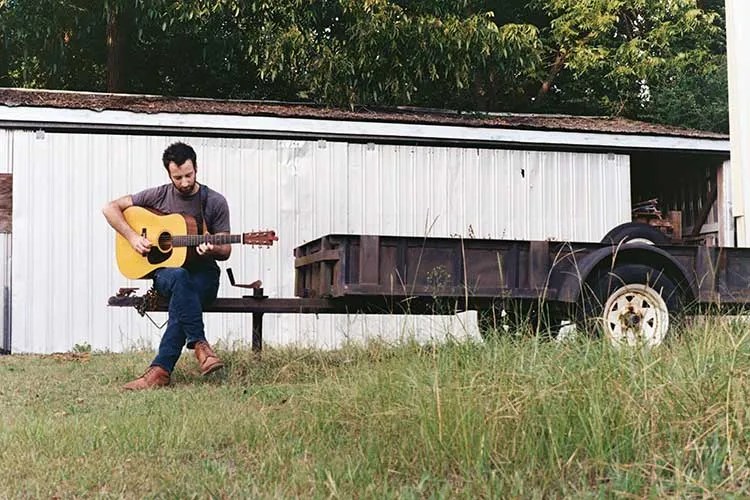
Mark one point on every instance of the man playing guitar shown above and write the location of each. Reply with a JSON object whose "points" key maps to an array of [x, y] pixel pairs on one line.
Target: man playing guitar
{"points": [[190, 287]]}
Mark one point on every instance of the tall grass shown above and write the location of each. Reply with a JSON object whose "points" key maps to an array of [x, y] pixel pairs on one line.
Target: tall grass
{"points": [[516, 417]]}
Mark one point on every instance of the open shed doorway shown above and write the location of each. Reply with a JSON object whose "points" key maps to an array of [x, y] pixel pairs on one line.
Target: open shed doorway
{"points": [[696, 186]]}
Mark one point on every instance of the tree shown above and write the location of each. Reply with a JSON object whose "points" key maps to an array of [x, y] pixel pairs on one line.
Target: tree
{"points": [[696, 97], [612, 57], [383, 52]]}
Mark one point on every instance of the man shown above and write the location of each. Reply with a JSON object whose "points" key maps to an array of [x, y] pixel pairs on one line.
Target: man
{"points": [[188, 288]]}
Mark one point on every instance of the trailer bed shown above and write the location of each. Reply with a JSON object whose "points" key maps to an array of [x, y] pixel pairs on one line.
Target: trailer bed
{"points": [[341, 265]]}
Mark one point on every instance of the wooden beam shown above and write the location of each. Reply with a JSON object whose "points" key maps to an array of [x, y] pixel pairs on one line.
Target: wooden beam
{"points": [[6, 203]]}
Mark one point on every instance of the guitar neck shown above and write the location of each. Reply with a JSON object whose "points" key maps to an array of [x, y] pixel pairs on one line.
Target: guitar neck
{"points": [[193, 240]]}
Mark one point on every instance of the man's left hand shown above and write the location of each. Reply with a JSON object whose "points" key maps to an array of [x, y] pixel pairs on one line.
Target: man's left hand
{"points": [[205, 249]]}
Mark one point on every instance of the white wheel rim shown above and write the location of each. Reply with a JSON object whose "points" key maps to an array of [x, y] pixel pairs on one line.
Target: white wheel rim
{"points": [[635, 315], [643, 241]]}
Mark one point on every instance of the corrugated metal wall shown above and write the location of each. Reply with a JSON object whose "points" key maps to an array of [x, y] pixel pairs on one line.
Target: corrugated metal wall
{"points": [[738, 66], [64, 271]]}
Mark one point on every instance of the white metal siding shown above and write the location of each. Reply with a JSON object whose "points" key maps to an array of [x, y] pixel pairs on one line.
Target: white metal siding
{"points": [[64, 269], [738, 39]]}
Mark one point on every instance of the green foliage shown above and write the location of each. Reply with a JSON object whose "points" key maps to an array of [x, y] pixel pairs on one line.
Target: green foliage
{"points": [[694, 95], [81, 348], [574, 56], [382, 53], [617, 53]]}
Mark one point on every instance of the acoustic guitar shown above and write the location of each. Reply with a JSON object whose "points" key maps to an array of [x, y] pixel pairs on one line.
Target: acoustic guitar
{"points": [[173, 238]]}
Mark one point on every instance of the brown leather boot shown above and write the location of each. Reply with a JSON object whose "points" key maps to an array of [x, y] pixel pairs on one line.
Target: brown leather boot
{"points": [[155, 376], [209, 362]]}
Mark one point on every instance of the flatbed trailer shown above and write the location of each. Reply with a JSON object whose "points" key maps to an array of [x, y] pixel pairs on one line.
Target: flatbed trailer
{"points": [[628, 287]]}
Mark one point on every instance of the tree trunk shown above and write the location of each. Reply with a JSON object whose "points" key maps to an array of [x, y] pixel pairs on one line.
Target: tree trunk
{"points": [[557, 66], [116, 44]]}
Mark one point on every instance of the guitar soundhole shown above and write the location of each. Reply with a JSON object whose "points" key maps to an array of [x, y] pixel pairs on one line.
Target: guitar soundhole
{"points": [[155, 257], [165, 242]]}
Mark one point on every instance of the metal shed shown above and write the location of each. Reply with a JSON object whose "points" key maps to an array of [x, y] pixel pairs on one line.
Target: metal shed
{"points": [[306, 171]]}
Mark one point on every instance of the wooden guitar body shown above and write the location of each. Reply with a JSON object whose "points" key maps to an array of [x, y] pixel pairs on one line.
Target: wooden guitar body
{"points": [[153, 225]]}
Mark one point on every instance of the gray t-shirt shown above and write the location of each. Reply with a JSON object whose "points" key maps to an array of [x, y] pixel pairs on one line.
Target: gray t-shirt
{"points": [[168, 200]]}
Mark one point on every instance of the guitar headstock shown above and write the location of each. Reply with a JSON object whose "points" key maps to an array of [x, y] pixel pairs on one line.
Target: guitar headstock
{"points": [[259, 238]]}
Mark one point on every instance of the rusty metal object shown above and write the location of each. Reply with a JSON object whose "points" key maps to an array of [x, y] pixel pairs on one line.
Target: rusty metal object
{"points": [[255, 284], [648, 212], [473, 273], [338, 266], [149, 301], [126, 291]]}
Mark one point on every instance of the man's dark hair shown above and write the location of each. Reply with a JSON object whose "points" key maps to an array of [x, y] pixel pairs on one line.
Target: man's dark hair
{"points": [[179, 152]]}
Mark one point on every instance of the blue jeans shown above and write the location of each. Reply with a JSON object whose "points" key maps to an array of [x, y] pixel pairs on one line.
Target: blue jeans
{"points": [[188, 292]]}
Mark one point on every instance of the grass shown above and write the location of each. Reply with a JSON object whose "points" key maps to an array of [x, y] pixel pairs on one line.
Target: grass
{"points": [[510, 418]]}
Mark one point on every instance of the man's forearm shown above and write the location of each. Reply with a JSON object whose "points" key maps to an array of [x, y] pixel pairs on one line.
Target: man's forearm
{"points": [[221, 252], [114, 217]]}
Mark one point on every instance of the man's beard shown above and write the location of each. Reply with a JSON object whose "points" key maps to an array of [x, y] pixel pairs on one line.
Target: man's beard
{"points": [[186, 191]]}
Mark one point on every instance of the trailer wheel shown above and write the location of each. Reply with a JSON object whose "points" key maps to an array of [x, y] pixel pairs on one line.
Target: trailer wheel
{"points": [[635, 232], [631, 305]]}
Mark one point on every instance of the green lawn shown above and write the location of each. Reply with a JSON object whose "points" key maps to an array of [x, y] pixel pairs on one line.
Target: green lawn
{"points": [[515, 417]]}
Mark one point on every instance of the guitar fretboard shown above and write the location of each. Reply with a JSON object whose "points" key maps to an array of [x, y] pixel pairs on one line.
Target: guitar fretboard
{"points": [[193, 240]]}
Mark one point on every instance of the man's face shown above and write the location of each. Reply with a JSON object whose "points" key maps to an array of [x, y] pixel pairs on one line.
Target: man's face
{"points": [[183, 177]]}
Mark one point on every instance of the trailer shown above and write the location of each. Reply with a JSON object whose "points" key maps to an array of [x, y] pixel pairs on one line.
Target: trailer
{"points": [[627, 288]]}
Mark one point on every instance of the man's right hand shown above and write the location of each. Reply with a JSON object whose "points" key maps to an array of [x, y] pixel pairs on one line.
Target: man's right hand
{"points": [[140, 244]]}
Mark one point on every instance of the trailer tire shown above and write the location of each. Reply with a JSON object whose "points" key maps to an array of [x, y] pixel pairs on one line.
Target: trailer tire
{"points": [[635, 232], [631, 304]]}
